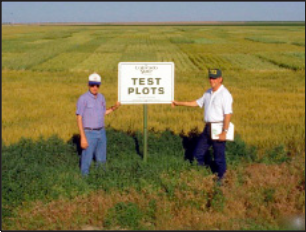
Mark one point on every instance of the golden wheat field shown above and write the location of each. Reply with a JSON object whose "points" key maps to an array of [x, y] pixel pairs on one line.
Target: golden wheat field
{"points": [[45, 70]]}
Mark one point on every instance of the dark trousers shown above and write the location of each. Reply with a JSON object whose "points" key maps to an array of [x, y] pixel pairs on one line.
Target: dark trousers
{"points": [[201, 151]]}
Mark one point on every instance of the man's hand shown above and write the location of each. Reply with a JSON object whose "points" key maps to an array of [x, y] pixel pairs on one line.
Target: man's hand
{"points": [[84, 143], [222, 136], [113, 108], [173, 104], [117, 104]]}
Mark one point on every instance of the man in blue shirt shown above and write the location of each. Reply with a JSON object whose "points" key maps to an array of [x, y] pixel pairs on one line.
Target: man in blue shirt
{"points": [[91, 109]]}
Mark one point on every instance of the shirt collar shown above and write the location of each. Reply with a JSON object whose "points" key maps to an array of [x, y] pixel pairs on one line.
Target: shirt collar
{"points": [[91, 95], [218, 90]]}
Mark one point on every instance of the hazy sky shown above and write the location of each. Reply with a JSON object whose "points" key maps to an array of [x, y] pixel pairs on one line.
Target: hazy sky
{"points": [[28, 12]]}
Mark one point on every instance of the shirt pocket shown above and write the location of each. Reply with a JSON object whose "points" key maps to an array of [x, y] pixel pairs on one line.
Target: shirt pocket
{"points": [[90, 106], [90, 109]]}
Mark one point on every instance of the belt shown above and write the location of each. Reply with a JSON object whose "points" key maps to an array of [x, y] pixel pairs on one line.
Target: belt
{"points": [[88, 128], [209, 123]]}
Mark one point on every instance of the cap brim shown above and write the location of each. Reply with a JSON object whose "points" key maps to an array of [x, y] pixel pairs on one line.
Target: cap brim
{"points": [[213, 77], [94, 83]]}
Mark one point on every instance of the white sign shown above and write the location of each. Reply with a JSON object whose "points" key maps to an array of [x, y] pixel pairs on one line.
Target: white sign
{"points": [[146, 82]]}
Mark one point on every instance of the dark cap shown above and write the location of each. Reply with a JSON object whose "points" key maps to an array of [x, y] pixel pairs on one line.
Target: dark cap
{"points": [[214, 73]]}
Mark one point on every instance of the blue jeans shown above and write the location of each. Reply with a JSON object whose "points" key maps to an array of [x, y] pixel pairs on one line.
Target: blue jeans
{"points": [[96, 145], [204, 143]]}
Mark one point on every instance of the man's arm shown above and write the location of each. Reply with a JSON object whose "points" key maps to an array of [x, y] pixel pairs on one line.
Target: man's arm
{"points": [[84, 143], [190, 103], [226, 122], [113, 108]]}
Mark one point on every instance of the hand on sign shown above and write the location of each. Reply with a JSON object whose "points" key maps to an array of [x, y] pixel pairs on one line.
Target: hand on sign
{"points": [[173, 104], [118, 104]]}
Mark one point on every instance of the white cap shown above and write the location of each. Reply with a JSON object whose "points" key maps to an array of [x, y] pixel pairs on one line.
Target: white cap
{"points": [[94, 79]]}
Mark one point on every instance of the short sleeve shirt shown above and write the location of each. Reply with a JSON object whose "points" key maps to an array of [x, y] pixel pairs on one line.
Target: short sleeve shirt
{"points": [[216, 104], [92, 110]]}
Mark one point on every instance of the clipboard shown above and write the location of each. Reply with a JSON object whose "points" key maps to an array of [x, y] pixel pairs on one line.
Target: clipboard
{"points": [[216, 129]]}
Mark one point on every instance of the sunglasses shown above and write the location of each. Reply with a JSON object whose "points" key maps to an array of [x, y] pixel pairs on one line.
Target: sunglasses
{"points": [[94, 85]]}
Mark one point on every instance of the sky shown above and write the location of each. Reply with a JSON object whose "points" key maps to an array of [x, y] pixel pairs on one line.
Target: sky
{"points": [[104, 12]]}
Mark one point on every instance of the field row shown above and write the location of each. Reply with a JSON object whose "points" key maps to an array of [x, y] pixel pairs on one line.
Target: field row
{"points": [[191, 48], [52, 60]]}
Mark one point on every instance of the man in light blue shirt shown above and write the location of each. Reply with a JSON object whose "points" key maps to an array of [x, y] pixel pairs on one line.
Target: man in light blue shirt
{"points": [[217, 103], [91, 109]]}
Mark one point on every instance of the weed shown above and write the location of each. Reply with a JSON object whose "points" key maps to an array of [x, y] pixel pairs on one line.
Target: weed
{"points": [[276, 155], [126, 215]]}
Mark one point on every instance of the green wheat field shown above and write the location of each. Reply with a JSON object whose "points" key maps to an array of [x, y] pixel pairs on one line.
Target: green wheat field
{"points": [[45, 69]]}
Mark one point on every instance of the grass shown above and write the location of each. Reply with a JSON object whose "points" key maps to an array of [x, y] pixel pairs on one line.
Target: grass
{"points": [[43, 188]]}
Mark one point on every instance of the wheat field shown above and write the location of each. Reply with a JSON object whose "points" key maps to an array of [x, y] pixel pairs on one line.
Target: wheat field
{"points": [[45, 70]]}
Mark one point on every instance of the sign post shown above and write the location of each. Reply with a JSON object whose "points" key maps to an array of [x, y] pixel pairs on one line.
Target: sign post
{"points": [[145, 83], [145, 133]]}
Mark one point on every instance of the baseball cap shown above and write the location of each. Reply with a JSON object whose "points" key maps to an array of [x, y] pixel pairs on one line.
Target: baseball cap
{"points": [[94, 79], [214, 73]]}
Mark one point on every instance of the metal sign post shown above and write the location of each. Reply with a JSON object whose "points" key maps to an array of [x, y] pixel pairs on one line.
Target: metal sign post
{"points": [[145, 133], [145, 83]]}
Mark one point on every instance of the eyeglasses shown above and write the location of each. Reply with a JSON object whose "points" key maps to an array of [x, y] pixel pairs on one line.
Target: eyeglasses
{"points": [[94, 86]]}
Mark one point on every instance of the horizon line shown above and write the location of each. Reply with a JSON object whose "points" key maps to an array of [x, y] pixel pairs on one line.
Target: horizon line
{"points": [[156, 22]]}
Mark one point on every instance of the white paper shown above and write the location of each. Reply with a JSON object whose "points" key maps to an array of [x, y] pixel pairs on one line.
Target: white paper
{"points": [[216, 129]]}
